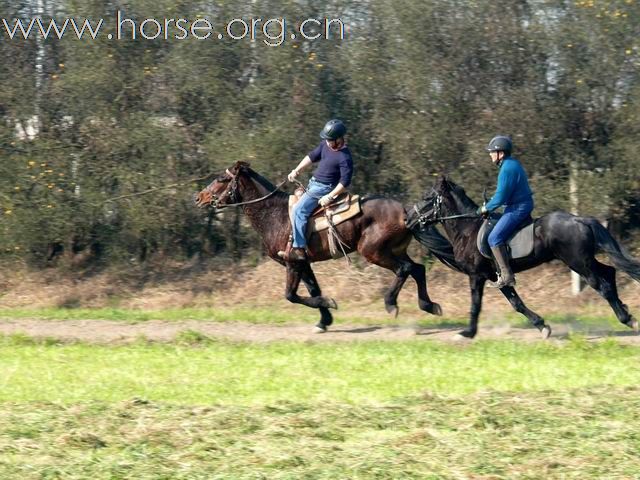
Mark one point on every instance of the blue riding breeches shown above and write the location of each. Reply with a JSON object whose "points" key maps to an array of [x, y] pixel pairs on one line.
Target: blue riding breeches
{"points": [[513, 216], [303, 209]]}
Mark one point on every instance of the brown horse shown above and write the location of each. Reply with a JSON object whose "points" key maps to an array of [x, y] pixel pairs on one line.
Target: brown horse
{"points": [[378, 233]]}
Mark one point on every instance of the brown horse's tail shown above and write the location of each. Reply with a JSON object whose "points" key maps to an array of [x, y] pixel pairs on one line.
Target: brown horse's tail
{"points": [[621, 259], [438, 245]]}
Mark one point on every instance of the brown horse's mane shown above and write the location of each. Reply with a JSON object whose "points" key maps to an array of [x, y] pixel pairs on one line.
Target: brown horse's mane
{"points": [[278, 197]]}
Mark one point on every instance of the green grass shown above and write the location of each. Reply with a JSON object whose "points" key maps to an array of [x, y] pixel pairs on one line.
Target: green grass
{"points": [[281, 315], [205, 409], [278, 315], [578, 434], [252, 315], [246, 374]]}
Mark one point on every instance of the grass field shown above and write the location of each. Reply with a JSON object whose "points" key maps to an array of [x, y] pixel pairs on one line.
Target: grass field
{"points": [[204, 409], [282, 313]]}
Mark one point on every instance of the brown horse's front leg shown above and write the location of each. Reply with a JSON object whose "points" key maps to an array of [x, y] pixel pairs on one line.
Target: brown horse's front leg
{"points": [[296, 271], [309, 280]]}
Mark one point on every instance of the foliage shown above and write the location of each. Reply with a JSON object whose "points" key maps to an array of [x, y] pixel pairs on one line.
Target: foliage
{"points": [[422, 87]]}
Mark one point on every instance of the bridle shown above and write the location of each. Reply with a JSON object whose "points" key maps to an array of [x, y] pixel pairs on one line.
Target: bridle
{"points": [[232, 194], [437, 209]]}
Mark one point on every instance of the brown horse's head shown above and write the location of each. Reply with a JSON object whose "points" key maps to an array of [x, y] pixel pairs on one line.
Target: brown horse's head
{"points": [[224, 189]]}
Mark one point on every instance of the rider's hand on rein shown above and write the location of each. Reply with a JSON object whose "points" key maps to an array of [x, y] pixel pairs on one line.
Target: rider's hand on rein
{"points": [[292, 176]]}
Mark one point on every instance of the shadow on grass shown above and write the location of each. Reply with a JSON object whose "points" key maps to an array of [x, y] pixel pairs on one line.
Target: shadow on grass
{"points": [[436, 331], [356, 330]]}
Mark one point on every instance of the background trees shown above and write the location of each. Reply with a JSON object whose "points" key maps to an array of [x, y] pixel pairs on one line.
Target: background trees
{"points": [[422, 86]]}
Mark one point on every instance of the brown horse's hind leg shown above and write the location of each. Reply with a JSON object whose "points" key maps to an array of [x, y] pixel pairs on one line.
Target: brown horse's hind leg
{"points": [[402, 266], [296, 271], [419, 274]]}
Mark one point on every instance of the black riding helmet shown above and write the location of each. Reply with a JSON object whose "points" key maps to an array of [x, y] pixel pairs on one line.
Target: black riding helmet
{"points": [[500, 144], [333, 130]]}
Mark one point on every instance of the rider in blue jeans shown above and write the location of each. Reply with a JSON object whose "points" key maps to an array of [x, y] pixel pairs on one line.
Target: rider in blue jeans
{"points": [[331, 177], [513, 191]]}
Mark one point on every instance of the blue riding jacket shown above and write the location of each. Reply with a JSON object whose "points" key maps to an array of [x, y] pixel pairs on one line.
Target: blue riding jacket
{"points": [[513, 185], [514, 192]]}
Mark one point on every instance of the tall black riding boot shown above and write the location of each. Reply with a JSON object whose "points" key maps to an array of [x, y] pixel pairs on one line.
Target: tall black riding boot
{"points": [[505, 274]]}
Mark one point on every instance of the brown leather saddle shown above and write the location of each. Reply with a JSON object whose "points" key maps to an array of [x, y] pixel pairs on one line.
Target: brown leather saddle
{"points": [[344, 207]]}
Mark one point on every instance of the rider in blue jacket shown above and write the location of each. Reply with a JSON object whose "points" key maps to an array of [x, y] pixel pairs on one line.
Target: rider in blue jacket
{"points": [[514, 192]]}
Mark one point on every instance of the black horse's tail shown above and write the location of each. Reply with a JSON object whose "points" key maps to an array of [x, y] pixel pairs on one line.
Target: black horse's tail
{"points": [[621, 259], [437, 244]]}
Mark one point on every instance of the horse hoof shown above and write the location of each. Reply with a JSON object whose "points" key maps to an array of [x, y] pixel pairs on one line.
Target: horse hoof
{"points": [[430, 307], [545, 332], [332, 304], [317, 329], [436, 310], [633, 325], [464, 335], [460, 337], [393, 310]]}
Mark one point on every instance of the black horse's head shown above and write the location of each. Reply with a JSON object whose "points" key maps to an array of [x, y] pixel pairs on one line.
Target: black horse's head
{"points": [[223, 190], [445, 199]]}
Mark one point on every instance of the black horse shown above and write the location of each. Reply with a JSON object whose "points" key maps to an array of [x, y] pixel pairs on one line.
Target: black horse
{"points": [[558, 235]]}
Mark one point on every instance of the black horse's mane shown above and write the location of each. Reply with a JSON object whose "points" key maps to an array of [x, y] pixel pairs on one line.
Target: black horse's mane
{"points": [[461, 198]]}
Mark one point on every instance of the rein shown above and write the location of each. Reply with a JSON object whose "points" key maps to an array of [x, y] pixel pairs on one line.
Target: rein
{"points": [[232, 193], [462, 215], [437, 202]]}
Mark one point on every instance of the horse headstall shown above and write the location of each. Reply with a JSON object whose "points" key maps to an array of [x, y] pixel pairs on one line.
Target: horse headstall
{"points": [[434, 215], [230, 193], [425, 212]]}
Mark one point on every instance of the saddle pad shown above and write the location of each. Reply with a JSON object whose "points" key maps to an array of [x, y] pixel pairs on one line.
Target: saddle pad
{"points": [[346, 206], [520, 244]]}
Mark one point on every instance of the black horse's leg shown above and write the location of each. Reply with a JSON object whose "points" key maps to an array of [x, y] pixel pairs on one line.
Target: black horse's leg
{"points": [[477, 284], [310, 281], [602, 278], [519, 306], [419, 274], [295, 272]]}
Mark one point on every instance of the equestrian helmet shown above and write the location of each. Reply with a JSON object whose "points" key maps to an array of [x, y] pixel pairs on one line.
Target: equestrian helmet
{"points": [[500, 143], [333, 130]]}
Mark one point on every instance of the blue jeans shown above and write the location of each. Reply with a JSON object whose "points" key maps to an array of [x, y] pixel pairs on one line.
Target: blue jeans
{"points": [[513, 216], [303, 209]]}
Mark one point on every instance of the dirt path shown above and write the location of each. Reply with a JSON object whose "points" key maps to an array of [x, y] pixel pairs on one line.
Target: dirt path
{"points": [[109, 332]]}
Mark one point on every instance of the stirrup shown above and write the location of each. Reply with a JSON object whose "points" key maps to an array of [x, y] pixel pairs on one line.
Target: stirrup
{"points": [[501, 283], [295, 254]]}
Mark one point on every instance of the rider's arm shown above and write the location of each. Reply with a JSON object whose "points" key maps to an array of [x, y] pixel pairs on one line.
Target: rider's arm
{"points": [[304, 163], [337, 191], [504, 189], [346, 172], [314, 156]]}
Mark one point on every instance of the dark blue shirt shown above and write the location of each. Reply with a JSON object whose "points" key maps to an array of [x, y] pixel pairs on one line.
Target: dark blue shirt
{"points": [[333, 166], [513, 185]]}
